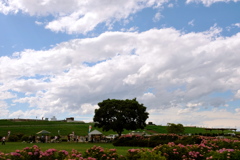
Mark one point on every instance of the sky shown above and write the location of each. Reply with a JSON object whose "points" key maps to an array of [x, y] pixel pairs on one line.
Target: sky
{"points": [[180, 58]]}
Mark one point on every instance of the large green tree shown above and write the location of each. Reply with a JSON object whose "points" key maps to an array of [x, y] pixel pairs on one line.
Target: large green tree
{"points": [[117, 115], [175, 128]]}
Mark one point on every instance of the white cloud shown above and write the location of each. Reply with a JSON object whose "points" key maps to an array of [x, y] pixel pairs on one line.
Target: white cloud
{"points": [[206, 119], [237, 25], [87, 109], [157, 17], [183, 69], [18, 114], [210, 2], [38, 23], [237, 95], [6, 95], [4, 108], [171, 5], [237, 110], [132, 29], [73, 16], [191, 23]]}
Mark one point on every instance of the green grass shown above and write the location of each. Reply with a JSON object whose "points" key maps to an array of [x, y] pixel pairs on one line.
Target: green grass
{"points": [[81, 147], [32, 127], [81, 129]]}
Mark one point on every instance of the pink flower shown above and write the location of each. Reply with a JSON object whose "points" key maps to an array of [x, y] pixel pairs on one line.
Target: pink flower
{"points": [[73, 155], [15, 154], [112, 150]]}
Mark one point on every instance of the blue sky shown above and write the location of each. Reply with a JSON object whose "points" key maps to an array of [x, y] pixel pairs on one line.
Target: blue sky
{"points": [[179, 58]]}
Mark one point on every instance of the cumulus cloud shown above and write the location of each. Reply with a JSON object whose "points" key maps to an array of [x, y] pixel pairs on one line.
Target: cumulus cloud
{"points": [[73, 16], [182, 70], [207, 119], [210, 2], [4, 108]]}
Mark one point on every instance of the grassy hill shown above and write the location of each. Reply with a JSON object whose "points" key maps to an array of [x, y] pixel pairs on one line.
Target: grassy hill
{"points": [[79, 128]]}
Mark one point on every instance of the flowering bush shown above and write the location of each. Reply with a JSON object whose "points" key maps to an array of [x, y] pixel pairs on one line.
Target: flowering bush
{"points": [[35, 153], [153, 141], [223, 143], [209, 148], [131, 140], [101, 154], [173, 151], [224, 154], [144, 154]]}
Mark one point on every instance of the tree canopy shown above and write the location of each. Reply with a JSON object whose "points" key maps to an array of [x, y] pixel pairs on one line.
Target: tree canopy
{"points": [[175, 128], [117, 115]]}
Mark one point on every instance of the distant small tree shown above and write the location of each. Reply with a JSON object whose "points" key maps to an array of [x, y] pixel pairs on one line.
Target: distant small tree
{"points": [[117, 115], [175, 128]]}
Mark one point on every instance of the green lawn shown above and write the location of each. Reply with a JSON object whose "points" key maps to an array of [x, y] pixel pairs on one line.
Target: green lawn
{"points": [[81, 147], [32, 127]]}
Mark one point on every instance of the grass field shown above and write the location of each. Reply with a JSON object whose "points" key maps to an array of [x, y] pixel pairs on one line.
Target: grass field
{"points": [[81, 129], [81, 147]]}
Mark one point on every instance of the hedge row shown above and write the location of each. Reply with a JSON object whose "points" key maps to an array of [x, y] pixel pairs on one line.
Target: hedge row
{"points": [[153, 141]]}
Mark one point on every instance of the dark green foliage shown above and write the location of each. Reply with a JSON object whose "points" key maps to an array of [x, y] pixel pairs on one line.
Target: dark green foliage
{"points": [[152, 141], [129, 140], [118, 115], [64, 140], [13, 138], [25, 138], [185, 140], [142, 141], [162, 139], [175, 128], [19, 135]]}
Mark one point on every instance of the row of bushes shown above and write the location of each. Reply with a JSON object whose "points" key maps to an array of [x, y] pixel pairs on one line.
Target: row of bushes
{"points": [[153, 141], [21, 137], [210, 134], [170, 151]]}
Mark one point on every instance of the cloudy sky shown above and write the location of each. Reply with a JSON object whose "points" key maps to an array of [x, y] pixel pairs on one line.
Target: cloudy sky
{"points": [[180, 58]]}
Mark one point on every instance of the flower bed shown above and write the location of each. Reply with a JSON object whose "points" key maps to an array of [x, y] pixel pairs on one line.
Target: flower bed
{"points": [[208, 148], [35, 153]]}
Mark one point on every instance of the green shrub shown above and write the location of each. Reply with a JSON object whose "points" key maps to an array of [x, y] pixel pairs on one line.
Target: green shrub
{"points": [[224, 154], [131, 140], [64, 139], [162, 139], [151, 156], [144, 154], [13, 138], [24, 138], [19, 135], [189, 140], [101, 154]]}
